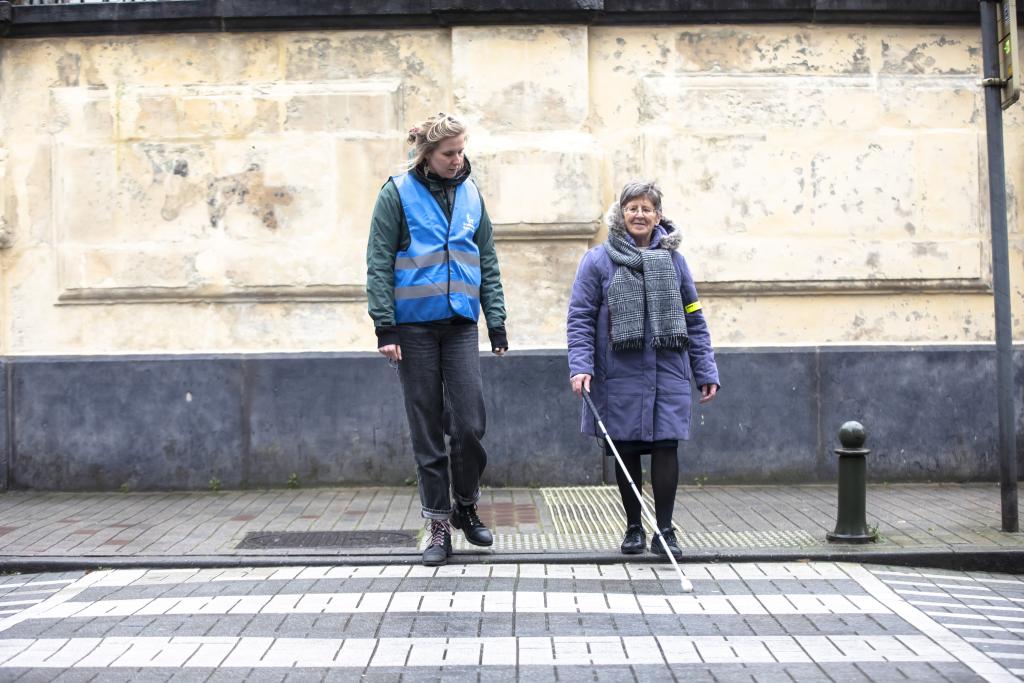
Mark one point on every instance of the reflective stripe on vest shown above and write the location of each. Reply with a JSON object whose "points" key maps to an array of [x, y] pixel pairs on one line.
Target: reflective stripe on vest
{"points": [[438, 276]]}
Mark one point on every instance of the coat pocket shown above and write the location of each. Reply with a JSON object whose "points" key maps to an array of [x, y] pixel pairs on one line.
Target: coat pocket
{"points": [[624, 364], [625, 415], [673, 368]]}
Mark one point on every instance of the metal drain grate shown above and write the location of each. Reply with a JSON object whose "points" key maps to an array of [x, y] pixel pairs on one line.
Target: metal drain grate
{"points": [[590, 510], [591, 518], [266, 540]]}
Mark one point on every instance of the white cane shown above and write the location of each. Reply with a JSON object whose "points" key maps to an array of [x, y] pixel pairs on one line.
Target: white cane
{"points": [[683, 581]]}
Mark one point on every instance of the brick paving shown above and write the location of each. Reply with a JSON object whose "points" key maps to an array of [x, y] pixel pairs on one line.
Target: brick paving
{"points": [[713, 521]]}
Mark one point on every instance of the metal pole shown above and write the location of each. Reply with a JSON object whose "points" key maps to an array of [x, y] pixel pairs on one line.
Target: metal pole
{"points": [[1000, 268]]}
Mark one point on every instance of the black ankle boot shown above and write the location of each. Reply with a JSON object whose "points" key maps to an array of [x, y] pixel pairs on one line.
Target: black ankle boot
{"points": [[465, 518], [439, 543], [635, 540], [669, 535]]}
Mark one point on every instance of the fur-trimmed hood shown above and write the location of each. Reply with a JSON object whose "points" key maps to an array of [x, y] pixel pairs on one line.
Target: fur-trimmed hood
{"points": [[616, 222]]}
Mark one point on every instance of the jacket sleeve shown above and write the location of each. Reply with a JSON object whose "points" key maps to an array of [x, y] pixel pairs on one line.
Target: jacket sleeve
{"points": [[383, 244], [702, 355], [492, 296], [581, 325]]}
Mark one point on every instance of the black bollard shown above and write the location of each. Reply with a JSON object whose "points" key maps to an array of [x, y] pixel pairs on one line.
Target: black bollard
{"points": [[851, 524]]}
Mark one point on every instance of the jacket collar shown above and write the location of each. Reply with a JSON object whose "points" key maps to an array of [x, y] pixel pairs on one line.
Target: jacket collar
{"points": [[436, 183]]}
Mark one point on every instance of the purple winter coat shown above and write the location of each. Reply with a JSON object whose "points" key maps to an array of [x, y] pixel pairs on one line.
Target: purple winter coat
{"points": [[642, 395]]}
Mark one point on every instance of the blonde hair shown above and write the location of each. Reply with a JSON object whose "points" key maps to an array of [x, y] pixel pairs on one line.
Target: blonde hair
{"points": [[426, 137]]}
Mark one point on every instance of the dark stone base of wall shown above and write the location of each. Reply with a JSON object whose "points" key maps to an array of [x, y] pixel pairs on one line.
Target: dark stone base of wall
{"points": [[176, 422]]}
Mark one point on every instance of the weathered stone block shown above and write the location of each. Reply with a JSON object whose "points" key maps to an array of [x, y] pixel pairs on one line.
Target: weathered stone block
{"points": [[179, 59], [235, 214], [539, 178], [363, 166], [347, 108], [931, 103], [6, 223], [930, 52], [731, 103], [546, 89], [421, 60], [824, 207], [537, 308]]}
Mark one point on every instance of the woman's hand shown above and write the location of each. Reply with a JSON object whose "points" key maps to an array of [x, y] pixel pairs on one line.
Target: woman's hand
{"points": [[707, 392], [393, 352], [579, 383]]}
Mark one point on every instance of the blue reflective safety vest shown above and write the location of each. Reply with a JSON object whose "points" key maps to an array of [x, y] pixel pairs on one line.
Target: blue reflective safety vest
{"points": [[438, 276]]}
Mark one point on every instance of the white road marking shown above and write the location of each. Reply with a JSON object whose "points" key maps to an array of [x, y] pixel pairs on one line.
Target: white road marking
{"points": [[881, 572], [929, 584], [63, 595], [143, 652], [799, 571], [996, 641], [936, 643], [41, 591], [937, 594], [54, 582], [521, 602], [975, 659], [960, 605], [973, 627], [984, 617]]}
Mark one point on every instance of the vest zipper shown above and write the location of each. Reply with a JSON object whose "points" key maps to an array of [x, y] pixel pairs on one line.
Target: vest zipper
{"points": [[447, 238]]}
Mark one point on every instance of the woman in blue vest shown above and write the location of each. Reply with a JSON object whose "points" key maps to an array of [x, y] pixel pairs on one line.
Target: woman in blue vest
{"points": [[431, 267]]}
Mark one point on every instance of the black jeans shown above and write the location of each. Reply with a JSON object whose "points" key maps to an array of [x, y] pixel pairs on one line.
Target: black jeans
{"points": [[440, 373]]}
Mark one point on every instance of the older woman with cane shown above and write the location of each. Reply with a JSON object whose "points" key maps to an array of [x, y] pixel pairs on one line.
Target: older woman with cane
{"points": [[431, 267], [636, 337]]}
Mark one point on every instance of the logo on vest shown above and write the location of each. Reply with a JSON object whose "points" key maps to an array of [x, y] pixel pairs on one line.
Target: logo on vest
{"points": [[469, 225]]}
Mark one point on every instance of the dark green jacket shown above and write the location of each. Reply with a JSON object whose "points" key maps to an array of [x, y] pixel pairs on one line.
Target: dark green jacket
{"points": [[389, 234]]}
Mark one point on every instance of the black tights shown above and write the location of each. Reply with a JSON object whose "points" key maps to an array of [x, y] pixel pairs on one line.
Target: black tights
{"points": [[664, 479]]}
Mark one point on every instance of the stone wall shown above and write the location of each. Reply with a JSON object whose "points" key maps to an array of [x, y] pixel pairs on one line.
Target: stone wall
{"points": [[183, 220], [211, 193]]}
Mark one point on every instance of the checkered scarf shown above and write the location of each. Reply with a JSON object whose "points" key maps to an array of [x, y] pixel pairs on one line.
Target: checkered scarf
{"points": [[644, 282]]}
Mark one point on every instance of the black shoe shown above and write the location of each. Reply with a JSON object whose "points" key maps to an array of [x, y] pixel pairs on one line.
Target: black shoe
{"points": [[465, 518], [635, 540], [439, 545], [670, 540]]}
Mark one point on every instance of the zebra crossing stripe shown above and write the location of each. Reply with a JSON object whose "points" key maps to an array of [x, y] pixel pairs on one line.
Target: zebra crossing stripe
{"points": [[995, 641], [799, 571], [254, 652], [960, 605], [986, 627], [979, 617], [520, 602], [54, 582], [65, 594], [975, 659], [978, 579], [928, 584]]}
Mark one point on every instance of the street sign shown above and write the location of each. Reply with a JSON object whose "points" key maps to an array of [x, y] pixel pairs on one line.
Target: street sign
{"points": [[1009, 51]]}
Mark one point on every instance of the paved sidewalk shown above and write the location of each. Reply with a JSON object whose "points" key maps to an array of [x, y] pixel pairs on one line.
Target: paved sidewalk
{"points": [[949, 525]]}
